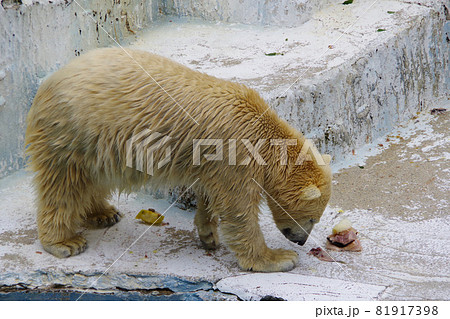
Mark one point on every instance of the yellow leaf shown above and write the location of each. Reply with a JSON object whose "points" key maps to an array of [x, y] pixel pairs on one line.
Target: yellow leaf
{"points": [[150, 217]]}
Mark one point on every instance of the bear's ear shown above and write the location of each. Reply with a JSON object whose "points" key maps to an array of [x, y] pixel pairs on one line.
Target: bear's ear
{"points": [[326, 158], [310, 192]]}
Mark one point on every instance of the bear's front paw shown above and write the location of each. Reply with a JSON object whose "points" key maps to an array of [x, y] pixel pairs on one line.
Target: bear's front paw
{"points": [[71, 247], [271, 261]]}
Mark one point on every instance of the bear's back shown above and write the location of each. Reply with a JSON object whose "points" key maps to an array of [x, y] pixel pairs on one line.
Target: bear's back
{"points": [[89, 109]]}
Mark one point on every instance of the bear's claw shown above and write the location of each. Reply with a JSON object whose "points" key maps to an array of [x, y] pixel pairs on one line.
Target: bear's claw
{"points": [[71, 247], [104, 219]]}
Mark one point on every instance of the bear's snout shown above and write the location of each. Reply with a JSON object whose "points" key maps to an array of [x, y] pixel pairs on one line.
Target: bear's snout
{"points": [[300, 242], [286, 232], [300, 233]]}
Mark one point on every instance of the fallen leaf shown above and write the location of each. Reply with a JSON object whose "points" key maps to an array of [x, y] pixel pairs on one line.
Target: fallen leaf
{"points": [[273, 53], [150, 217]]}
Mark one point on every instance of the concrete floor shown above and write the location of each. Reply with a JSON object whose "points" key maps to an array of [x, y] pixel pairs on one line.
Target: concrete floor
{"points": [[399, 200], [396, 199]]}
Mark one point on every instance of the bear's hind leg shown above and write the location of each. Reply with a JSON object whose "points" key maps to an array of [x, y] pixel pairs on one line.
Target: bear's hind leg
{"points": [[206, 224], [101, 214], [61, 210]]}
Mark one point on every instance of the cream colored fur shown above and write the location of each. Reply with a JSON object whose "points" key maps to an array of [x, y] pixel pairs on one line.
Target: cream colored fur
{"points": [[84, 113]]}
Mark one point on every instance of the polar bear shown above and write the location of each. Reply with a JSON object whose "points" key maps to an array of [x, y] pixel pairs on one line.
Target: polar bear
{"points": [[78, 137]]}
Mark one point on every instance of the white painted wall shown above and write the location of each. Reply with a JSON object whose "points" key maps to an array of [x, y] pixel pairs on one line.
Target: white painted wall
{"points": [[37, 38]]}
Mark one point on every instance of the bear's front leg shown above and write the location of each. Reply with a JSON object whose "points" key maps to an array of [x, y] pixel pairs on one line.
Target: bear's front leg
{"points": [[243, 235]]}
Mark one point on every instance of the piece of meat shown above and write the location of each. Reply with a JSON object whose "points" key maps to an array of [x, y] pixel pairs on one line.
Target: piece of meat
{"points": [[438, 111], [343, 238], [346, 240], [321, 254], [353, 246]]}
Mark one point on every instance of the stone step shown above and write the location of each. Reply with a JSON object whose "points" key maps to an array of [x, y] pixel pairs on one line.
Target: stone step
{"points": [[344, 77]]}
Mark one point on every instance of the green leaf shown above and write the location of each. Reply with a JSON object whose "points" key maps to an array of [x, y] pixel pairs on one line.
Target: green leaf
{"points": [[391, 12], [274, 53], [381, 30], [347, 2]]}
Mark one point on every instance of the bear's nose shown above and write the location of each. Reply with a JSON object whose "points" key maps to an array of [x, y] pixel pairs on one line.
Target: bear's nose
{"points": [[300, 242], [286, 232]]}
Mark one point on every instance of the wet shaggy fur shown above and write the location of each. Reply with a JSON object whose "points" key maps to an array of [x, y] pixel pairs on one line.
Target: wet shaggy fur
{"points": [[84, 114]]}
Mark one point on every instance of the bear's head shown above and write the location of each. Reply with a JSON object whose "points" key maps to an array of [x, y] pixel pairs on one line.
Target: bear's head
{"points": [[300, 200]]}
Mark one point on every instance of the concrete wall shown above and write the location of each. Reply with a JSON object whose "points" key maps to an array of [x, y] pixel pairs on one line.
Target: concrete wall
{"points": [[37, 38], [280, 12], [365, 98]]}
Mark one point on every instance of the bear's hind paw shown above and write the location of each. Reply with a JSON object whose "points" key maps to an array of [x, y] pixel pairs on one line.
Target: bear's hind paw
{"points": [[71, 247], [210, 241], [104, 219]]}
